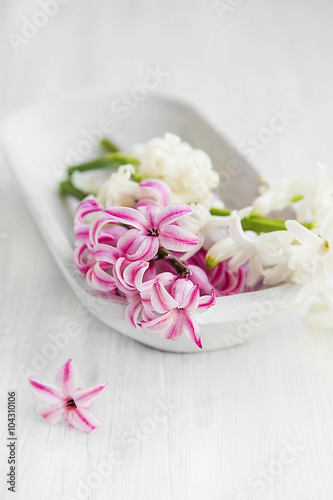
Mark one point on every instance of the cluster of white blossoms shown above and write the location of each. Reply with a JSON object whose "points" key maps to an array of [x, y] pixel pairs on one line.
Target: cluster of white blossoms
{"points": [[310, 199], [300, 252], [188, 172]]}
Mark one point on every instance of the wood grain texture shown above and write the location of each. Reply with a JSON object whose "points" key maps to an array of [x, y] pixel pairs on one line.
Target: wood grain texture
{"points": [[253, 422]]}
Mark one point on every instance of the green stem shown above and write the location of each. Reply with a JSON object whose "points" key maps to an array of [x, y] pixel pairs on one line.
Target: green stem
{"points": [[109, 146], [259, 224], [67, 188]]}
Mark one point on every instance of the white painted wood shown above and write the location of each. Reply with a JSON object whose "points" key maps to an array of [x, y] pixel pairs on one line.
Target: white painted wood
{"points": [[235, 412]]}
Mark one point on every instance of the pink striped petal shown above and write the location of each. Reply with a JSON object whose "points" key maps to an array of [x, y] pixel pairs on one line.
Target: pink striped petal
{"points": [[171, 214], [133, 311], [175, 331], [84, 208], [79, 258], [161, 300], [81, 233], [156, 190], [47, 392], [199, 277], [82, 397], [206, 302], [160, 324], [180, 290], [52, 412], [134, 273], [97, 226], [126, 215], [149, 211], [177, 239], [66, 378], [118, 276], [191, 328], [105, 253], [136, 246], [82, 419], [100, 279], [191, 302]]}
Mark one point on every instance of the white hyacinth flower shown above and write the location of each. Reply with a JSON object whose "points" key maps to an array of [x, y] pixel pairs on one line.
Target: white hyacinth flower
{"points": [[319, 197], [119, 189], [90, 181], [311, 256], [310, 199], [208, 227], [240, 247], [279, 195], [265, 254], [187, 171]]}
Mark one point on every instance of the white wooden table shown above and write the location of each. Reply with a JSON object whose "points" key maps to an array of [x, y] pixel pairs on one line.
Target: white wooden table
{"points": [[253, 422]]}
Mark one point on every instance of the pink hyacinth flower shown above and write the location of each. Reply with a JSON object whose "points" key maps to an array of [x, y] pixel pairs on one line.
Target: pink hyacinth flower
{"points": [[153, 192], [106, 236], [152, 227], [222, 279], [135, 280], [176, 310], [67, 401]]}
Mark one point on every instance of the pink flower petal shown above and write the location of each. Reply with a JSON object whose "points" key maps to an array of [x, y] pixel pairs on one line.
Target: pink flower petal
{"points": [[136, 246], [206, 302], [199, 277], [100, 279], [192, 300], [160, 324], [84, 208], [191, 328], [97, 226], [82, 419], [47, 392], [105, 253], [177, 239], [171, 214], [175, 331], [149, 211], [133, 310], [66, 378], [180, 290], [161, 300], [121, 283], [79, 258], [126, 215], [156, 190], [84, 396], [52, 412], [134, 273], [81, 233]]}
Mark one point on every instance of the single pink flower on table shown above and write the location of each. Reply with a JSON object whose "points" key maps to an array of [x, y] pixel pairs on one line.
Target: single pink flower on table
{"points": [[177, 308], [152, 227], [66, 400]]}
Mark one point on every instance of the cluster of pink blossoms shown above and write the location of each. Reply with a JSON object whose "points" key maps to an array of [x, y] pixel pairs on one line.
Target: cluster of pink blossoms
{"points": [[118, 249]]}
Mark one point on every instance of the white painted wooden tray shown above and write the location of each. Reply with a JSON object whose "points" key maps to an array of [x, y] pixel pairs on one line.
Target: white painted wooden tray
{"points": [[40, 140]]}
